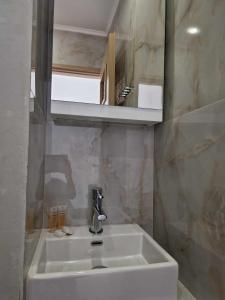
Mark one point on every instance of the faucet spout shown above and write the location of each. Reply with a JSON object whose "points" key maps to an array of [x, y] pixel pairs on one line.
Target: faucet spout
{"points": [[98, 214]]}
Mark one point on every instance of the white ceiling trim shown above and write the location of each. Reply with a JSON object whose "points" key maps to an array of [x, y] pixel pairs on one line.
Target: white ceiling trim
{"points": [[91, 31], [80, 30]]}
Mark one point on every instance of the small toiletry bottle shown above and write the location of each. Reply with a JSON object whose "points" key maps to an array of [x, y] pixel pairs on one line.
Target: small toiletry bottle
{"points": [[52, 219], [30, 222], [62, 216]]}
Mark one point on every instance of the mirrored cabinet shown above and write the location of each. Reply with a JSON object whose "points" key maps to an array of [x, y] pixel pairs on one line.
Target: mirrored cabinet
{"points": [[108, 66]]}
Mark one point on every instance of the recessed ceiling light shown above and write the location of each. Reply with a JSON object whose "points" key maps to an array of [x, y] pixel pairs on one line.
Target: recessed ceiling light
{"points": [[193, 30]]}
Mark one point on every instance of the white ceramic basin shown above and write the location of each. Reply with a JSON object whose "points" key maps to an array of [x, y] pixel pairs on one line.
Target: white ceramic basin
{"points": [[126, 264]]}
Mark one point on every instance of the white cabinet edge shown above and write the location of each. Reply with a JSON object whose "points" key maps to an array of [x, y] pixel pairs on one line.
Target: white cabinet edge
{"points": [[94, 112]]}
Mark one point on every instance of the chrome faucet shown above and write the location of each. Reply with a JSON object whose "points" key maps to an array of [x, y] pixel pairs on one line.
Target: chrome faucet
{"points": [[98, 214]]}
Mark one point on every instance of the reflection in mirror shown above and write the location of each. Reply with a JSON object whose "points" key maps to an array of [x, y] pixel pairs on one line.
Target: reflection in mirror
{"points": [[109, 52], [39, 102], [33, 51]]}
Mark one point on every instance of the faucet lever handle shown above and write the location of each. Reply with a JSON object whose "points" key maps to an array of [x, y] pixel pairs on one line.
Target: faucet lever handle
{"points": [[99, 194], [102, 218]]}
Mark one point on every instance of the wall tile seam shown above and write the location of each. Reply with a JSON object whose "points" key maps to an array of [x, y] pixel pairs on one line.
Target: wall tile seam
{"points": [[177, 118]]}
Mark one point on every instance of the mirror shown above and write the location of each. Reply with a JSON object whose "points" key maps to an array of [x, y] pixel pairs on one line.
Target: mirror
{"points": [[33, 52], [109, 52]]}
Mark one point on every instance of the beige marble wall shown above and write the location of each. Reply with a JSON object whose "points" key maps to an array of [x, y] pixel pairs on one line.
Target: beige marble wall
{"points": [[189, 197], [117, 158], [140, 28], [79, 50], [189, 203], [196, 62]]}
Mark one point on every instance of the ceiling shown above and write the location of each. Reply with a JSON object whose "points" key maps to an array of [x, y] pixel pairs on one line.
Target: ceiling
{"points": [[85, 16]]}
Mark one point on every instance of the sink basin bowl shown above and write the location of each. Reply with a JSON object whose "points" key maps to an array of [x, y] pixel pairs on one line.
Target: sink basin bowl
{"points": [[123, 263]]}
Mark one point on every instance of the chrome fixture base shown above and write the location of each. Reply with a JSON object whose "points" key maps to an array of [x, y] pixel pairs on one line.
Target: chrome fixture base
{"points": [[92, 231]]}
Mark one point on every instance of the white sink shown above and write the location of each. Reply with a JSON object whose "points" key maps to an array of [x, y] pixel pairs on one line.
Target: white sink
{"points": [[123, 263]]}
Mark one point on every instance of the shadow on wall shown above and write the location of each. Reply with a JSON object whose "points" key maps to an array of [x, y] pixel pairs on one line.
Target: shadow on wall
{"points": [[59, 185], [35, 204]]}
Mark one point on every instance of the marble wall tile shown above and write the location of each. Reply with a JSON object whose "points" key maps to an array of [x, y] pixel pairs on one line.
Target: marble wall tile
{"points": [[79, 50], [195, 71], [127, 173], [118, 158], [189, 202], [39, 105], [35, 183], [72, 165], [189, 213]]}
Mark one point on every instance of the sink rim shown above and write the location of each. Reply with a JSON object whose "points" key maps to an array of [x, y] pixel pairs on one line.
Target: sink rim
{"points": [[82, 232]]}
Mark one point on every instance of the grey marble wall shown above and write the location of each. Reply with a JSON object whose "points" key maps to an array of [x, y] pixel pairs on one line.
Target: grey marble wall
{"points": [[39, 105], [189, 202], [15, 53], [118, 158], [140, 28], [78, 50], [35, 183]]}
